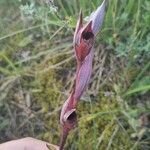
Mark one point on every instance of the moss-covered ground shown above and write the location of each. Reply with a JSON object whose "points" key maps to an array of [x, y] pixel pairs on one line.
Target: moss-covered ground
{"points": [[37, 69]]}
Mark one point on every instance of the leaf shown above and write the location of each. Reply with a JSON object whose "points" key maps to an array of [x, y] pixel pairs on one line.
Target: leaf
{"points": [[137, 90]]}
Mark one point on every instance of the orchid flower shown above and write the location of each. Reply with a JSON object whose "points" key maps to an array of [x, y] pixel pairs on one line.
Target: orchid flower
{"points": [[83, 42]]}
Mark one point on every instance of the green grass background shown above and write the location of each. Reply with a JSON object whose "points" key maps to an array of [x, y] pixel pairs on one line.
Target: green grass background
{"points": [[37, 68]]}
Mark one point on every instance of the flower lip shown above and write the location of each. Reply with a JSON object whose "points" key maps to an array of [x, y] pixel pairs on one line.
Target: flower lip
{"points": [[70, 116], [87, 35], [69, 122]]}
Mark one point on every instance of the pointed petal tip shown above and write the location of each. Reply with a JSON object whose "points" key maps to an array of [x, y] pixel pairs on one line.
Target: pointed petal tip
{"points": [[98, 17], [105, 4], [79, 25], [80, 13]]}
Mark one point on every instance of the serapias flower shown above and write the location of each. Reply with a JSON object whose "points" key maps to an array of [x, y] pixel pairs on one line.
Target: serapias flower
{"points": [[83, 42]]}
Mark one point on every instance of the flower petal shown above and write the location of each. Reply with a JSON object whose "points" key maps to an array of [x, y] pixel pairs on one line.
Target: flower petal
{"points": [[83, 75], [78, 27], [97, 17]]}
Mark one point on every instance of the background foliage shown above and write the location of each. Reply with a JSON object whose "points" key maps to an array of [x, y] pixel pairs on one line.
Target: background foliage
{"points": [[37, 67]]}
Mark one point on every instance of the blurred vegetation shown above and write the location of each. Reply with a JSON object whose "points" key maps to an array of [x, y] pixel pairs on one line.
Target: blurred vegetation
{"points": [[37, 68]]}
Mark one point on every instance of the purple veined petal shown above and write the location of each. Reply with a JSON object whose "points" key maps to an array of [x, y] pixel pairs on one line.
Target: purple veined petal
{"points": [[84, 75], [78, 27], [77, 33], [97, 17]]}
